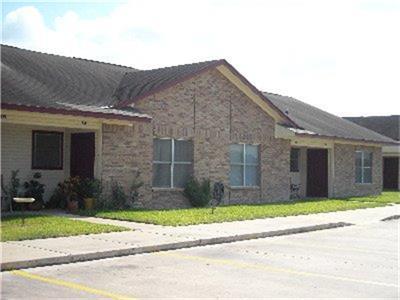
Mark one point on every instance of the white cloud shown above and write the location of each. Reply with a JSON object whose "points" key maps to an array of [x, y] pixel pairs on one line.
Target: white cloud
{"points": [[342, 56]]}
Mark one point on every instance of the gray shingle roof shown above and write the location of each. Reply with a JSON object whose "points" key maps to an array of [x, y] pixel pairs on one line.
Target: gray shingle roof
{"points": [[38, 80], [135, 85], [385, 125], [41, 80], [315, 121], [34, 78]]}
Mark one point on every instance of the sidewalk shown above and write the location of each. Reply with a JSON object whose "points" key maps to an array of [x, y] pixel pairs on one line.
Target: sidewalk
{"points": [[145, 238]]}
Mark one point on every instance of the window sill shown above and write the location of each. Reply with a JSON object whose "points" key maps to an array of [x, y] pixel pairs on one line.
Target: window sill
{"points": [[166, 189], [244, 187]]}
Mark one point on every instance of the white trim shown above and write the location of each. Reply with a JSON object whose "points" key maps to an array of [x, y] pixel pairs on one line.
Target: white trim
{"points": [[172, 162], [244, 164], [363, 153]]}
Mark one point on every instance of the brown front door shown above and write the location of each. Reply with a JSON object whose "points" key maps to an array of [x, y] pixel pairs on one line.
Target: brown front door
{"points": [[391, 173], [82, 155], [317, 173]]}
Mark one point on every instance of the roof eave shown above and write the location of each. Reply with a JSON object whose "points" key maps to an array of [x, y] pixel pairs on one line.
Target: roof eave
{"points": [[320, 136], [261, 95], [74, 112]]}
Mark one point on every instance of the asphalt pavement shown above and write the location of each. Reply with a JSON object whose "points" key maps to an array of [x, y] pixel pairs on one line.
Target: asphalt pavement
{"points": [[348, 262]]}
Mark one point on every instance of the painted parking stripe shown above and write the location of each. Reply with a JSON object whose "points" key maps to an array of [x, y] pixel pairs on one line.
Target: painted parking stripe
{"points": [[70, 285], [245, 265]]}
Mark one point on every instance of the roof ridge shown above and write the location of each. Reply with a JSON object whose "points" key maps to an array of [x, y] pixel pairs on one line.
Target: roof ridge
{"points": [[71, 57], [187, 64], [373, 116]]}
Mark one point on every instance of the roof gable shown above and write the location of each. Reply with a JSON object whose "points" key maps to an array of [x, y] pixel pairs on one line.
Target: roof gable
{"points": [[139, 85]]}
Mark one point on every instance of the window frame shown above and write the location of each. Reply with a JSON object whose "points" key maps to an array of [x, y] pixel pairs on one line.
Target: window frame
{"points": [[33, 150], [297, 170], [172, 162], [244, 164], [363, 167]]}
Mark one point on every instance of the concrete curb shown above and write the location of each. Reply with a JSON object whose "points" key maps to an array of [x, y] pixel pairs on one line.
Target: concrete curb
{"points": [[15, 265], [395, 217]]}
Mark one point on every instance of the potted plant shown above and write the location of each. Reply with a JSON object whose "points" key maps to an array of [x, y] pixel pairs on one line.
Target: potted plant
{"points": [[89, 190], [70, 189]]}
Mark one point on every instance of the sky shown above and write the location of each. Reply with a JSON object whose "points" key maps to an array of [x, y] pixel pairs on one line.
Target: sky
{"points": [[342, 56]]}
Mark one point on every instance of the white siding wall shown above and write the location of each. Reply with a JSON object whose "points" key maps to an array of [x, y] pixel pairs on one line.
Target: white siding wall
{"points": [[16, 154]]}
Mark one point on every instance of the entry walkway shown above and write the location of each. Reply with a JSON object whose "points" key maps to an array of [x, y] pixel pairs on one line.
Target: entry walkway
{"points": [[149, 238]]}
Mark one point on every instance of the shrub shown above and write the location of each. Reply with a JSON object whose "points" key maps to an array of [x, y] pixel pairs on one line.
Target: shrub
{"points": [[134, 189], [90, 188], [35, 189], [199, 194], [58, 199], [118, 197], [11, 190]]}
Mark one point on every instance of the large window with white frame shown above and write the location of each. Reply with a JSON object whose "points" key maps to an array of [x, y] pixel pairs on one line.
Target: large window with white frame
{"points": [[363, 167], [172, 162], [244, 160]]}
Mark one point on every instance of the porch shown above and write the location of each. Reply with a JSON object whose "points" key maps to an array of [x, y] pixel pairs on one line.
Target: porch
{"points": [[311, 169], [55, 146]]}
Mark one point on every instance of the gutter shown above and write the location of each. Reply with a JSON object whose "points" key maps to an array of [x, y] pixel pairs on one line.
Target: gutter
{"points": [[74, 112], [345, 139]]}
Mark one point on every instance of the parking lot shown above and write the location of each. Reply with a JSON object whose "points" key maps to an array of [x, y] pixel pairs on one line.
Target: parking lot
{"points": [[355, 261]]}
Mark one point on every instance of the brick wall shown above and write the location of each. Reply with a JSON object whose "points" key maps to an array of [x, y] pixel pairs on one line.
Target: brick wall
{"points": [[125, 150], [213, 113], [344, 182]]}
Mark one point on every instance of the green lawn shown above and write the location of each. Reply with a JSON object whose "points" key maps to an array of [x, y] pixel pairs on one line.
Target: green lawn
{"points": [[385, 197], [179, 217], [40, 226]]}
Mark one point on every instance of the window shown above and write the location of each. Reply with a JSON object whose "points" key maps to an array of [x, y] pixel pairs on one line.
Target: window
{"points": [[363, 167], [172, 162], [244, 165], [47, 150], [294, 160]]}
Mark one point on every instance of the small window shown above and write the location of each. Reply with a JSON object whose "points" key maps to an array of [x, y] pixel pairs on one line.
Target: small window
{"points": [[363, 167], [47, 150], [172, 162], [294, 160], [244, 165]]}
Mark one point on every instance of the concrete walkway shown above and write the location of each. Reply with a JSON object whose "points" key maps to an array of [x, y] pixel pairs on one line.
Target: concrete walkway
{"points": [[146, 238]]}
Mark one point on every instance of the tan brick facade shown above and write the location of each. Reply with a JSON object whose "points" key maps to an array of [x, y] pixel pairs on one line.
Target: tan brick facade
{"points": [[126, 150], [344, 182], [214, 114], [209, 110]]}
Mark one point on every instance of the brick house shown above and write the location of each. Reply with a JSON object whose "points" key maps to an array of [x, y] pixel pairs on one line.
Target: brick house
{"points": [[388, 126], [74, 117]]}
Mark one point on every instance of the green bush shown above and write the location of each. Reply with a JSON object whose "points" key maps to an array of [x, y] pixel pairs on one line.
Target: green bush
{"points": [[199, 194], [118, 197], [58, 199]]}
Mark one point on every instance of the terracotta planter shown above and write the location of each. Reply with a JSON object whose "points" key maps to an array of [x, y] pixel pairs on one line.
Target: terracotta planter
{"points": [[89, 203], [72, 206]]}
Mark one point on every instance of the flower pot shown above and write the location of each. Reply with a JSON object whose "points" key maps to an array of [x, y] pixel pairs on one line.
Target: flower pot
{"points": [[89, 203], [72, 206]]}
